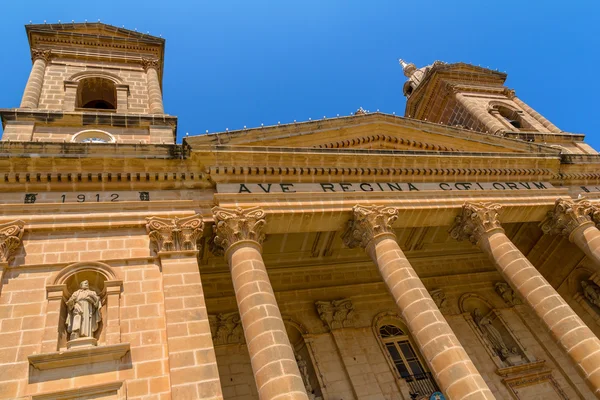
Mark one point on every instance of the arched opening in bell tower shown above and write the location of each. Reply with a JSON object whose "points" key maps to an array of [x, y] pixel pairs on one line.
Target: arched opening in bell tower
{"points": [[97, 93]]}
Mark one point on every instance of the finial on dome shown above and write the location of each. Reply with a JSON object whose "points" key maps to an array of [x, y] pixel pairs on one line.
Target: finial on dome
{"points": [[408, 68]]}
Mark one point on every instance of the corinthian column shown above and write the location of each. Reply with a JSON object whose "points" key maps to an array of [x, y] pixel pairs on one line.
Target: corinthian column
{"points": [[239, 234], [154, 92], [371, 228], [573, 219], [192, 360], [33, 89], [480, 225]]}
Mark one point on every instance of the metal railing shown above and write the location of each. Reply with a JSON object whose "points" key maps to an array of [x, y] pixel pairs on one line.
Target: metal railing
{"points": [[422, 385]]}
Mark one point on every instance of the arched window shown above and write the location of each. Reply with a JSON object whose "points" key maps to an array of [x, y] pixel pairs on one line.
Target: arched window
{"points": [[406, 360], [97, 93], [93, 136]]}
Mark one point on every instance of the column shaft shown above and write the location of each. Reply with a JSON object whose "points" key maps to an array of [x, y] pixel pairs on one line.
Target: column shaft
{"points": [[154, 92], [587, 238], [479, 223], [454, 371], [33, 89], [273, 361], [239, 234]]}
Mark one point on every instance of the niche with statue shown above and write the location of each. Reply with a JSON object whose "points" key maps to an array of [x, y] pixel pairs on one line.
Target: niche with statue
{"points": [[83, 322], [304, 359], [488, 324]]}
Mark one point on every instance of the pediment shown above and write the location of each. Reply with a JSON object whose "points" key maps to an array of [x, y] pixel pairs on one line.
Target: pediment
{"points": [[374, 131]]}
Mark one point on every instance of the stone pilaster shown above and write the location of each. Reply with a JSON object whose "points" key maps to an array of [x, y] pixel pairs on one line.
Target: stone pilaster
{"points": [[33, 89], [573, 219], [479, 224], [192, 359], [371, 228], [239, 233], [56, 296], [154, 92]]}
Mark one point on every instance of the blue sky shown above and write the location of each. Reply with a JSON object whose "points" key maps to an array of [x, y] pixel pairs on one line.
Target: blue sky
{"points": [[235, 63]]}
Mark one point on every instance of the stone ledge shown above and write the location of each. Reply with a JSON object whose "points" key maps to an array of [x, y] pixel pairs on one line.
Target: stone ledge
{"points": [[69, 358], [82, 392]]}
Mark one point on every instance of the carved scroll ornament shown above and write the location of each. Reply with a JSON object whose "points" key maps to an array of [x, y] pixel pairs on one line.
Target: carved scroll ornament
{"points": [[10, 239], [336, 314], [227, 328], [175, 234], [233, 225], [507, 294], [566, 216], [475, 220], [367, 223]]}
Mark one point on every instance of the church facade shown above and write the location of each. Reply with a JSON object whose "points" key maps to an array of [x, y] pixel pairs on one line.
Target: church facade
{"points": [[451, 253]]}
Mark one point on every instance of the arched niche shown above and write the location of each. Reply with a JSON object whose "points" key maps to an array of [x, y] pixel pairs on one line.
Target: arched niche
{"points": [[98, 93], [492, 330], [409, 367], [104, 281], [587, 297], [305, 357], [510, 116]]}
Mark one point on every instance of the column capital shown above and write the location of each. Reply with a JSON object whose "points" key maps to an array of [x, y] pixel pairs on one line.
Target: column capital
{"points": [[566, 216], [174, 234], [367, 223], [595, 214], [148, 63], [475, 220], [233, 225], [39, 54], [10, 239]]}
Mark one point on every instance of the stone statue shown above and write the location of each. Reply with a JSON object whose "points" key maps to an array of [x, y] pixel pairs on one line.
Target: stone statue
{"points": [[84, 312], [507, 294], [490, 332], [591, 291], [302, 366]]}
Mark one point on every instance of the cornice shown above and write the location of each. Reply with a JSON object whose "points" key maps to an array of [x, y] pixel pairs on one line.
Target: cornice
{"points": [[86, 118]]}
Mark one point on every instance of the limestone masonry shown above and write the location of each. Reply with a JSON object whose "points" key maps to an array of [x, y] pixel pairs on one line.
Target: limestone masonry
{"points": [[453, 253]]}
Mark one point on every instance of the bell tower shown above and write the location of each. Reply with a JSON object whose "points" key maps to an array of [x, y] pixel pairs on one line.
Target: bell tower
{"points": [[475, 98], [91, 82]]}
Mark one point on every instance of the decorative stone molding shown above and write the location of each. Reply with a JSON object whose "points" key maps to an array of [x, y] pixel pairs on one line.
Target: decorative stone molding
{"points": [[78, 356], [475, 220], [235, 225], [10, 239], [38, 54], [175, 234], [226, 328], [566, 216], [439, 298], [507, 294], [336, 314], [150, 63], [367, 223]]}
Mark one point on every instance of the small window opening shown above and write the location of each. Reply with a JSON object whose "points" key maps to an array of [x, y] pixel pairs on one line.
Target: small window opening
{"points": [[97, 93], [407, 362]]}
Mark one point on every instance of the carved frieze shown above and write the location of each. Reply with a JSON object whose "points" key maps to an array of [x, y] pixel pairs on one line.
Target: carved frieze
{"points": [[10, 239], [566, 216], [474, 220], [226, 328], [175, 234], [368, 222], [507, 294], [237, 224], [336, 314]]}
